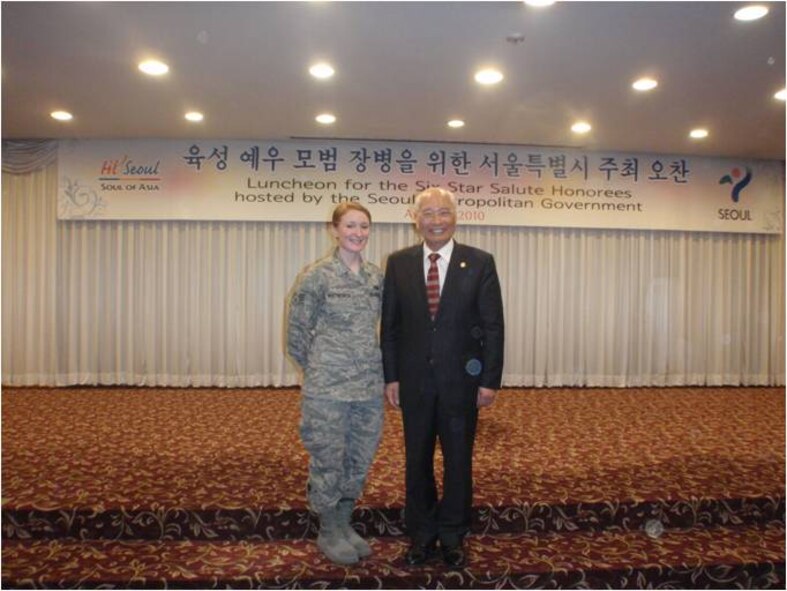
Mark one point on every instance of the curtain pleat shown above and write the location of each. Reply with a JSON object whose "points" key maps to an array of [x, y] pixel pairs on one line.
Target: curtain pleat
{"points": [[180, 303], [23, 156]]}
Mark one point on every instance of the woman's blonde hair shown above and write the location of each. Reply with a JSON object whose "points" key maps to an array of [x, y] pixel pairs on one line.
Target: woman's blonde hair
{"points": [[342, 208]]}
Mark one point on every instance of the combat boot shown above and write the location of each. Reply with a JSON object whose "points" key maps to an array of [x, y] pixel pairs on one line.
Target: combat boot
{"points": [[331, 540], [345, 511]]}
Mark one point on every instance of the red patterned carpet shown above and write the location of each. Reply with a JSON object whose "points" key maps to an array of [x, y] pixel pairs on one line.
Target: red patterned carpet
{"points": [[126, 487]]}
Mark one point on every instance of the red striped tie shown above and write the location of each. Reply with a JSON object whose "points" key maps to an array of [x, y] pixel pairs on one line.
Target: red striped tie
{"points": [[433, 285]]}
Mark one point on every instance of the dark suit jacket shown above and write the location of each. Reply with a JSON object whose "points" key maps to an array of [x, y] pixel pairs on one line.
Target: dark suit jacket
{"points": [[464, 344]]}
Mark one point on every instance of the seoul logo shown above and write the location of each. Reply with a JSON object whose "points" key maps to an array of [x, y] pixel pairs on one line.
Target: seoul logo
{"points": [[738, 181]]}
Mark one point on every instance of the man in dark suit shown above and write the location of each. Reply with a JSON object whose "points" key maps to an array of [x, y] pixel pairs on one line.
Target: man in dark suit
{"points": [[442, 342]]}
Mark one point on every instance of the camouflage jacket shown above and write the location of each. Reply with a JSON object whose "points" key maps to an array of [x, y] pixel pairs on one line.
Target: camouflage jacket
{"points": [[332, 330]]}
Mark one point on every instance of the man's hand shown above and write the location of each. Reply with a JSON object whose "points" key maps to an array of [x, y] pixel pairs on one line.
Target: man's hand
{"points": [[486, 396], [392, 393]]}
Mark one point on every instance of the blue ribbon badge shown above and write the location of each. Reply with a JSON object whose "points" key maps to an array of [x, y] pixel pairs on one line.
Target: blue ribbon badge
{"points": [[473, 367]]}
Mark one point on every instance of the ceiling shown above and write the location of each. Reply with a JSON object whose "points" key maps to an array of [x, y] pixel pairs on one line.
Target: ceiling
{"points": [[402, 70]]}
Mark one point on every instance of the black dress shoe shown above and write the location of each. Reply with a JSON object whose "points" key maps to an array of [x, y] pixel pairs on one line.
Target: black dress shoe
{"points": [[418, 554], [454, 555]]}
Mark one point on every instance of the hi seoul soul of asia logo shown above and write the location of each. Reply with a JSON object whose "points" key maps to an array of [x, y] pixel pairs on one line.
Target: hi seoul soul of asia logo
{"points": [[125, 174], [739, 181]]}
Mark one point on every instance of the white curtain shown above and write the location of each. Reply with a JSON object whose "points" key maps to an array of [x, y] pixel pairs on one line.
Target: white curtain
{"points": [[202, 303]]}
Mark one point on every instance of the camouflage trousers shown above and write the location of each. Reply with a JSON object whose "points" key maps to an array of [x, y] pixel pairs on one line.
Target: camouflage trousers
{"points": [[341, 438]]}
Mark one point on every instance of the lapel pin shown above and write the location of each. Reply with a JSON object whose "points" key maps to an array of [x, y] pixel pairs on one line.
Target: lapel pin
{"points": [[463, 264]]}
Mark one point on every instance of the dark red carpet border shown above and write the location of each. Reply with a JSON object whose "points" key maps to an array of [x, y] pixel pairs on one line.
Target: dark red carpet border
{"points": [[250, 524]]}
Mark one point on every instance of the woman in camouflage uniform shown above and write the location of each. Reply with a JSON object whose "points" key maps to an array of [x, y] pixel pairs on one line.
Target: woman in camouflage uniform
{"points": [[332, 335]]}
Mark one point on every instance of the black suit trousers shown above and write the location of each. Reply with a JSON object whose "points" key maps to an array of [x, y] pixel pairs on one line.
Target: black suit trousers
{"points": [[426, 420]]}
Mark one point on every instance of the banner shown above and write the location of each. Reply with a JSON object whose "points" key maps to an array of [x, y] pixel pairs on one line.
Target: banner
{"points": [[498, 185]]}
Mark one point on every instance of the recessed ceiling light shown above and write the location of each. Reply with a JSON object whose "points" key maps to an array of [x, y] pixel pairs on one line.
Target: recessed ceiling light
{"points": [[321, 70], [153, 67], [698, 133], [539, 3], [751, 13], [488, 76], [644, 84], [61, 115], [325, 118], [781, 95], [456, 123], [194, 116], [581, 127]]}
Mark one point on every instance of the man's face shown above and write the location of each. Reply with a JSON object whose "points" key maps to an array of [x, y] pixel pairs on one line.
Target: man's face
{"points": [[436, 220]]}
